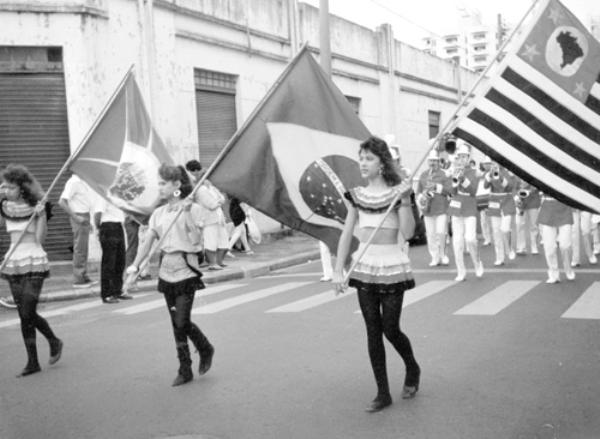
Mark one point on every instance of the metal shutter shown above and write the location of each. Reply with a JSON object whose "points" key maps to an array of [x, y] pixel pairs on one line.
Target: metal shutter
{"points": [[216, 123], [34, 132]]}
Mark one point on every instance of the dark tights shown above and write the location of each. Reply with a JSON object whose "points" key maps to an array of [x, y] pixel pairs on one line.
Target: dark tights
{"points": [[26, 292], [381, 312], [180, 309]]}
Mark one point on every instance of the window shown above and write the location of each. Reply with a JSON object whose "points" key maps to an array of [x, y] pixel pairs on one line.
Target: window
{"points": [[214, 81], [434, 123], [355, 102]]}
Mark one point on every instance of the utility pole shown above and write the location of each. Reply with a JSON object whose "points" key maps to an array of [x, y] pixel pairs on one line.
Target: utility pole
{"points": [[324, 39]]}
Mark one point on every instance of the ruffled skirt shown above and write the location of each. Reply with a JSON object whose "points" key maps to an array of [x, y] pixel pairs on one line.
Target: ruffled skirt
{"points": [[28, 258], [384, 268]]}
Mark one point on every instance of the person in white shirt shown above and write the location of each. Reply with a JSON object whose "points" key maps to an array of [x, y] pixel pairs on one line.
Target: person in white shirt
{"points": [[109, 221], [211, 200], [76, 200]]}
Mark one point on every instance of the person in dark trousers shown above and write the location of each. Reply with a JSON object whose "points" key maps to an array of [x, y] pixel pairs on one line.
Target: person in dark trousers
{"points": [[179, 276], [27, 266], [383, 273], [109, 221]]}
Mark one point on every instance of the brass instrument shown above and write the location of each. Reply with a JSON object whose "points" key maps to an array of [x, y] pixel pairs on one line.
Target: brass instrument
{"points": [[522, 194], [458, 175], [425, 197]]}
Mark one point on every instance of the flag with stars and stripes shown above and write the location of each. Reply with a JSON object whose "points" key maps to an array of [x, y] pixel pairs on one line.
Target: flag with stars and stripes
{"points": [[539, 115], [297, 154], [121, 156]]}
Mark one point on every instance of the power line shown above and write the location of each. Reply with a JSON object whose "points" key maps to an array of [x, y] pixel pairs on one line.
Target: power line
{"points": [[408, 20]]}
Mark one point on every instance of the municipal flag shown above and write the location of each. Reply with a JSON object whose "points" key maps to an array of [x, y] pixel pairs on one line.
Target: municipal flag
{"points": [[297, 155], [121, 156], [539, 115]]}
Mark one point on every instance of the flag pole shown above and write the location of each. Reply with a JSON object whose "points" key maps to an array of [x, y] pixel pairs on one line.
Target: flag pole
{"points": [[132, 278], [66, 165], [438, 138]]}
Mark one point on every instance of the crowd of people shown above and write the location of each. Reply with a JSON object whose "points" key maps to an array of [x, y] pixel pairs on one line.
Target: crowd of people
{"points": [[460, 198], [189, 229]]}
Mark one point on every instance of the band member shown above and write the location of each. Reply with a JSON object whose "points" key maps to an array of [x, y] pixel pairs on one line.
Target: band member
{"points": [[582, 233], [501, 210], [433, 190], [463, 210], [528, 201], [483, 199], [556, 221]]}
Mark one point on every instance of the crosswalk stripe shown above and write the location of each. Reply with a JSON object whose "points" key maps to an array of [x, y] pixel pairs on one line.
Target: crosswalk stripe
{"points": [[63, 310], [159, 303], [423, 292], [499, 298], [311, 302], [587, 306], [248, 297]]}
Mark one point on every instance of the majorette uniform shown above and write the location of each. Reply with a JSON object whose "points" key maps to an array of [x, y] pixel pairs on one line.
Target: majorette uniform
{"points": [[29, 258], [555, 220], [384, 268]]}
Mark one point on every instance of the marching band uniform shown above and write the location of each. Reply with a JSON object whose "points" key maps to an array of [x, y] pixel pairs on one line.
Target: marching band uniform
{"points": [[528, 202], [556, 220], [433, 189], [596, 232], [463, 210], [582, 231], [501, 210], [483, 198]]}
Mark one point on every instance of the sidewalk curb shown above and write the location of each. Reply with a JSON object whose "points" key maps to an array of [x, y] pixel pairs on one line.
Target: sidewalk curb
{"points": [[244, 272]]}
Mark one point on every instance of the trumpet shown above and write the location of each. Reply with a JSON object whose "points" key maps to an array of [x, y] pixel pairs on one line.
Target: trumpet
{"points": [[458, 175], [523, 193]]}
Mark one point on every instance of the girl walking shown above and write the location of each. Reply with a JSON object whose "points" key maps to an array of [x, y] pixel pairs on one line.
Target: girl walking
{"points": [[27, 266], [178, 276], [383, 273]]}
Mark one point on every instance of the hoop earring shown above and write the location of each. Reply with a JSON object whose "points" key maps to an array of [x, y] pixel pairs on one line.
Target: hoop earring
{"points": [[177, 193]]}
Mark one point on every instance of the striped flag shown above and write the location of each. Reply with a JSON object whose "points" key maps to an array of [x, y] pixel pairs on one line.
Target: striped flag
{"points": [[539, 115]]}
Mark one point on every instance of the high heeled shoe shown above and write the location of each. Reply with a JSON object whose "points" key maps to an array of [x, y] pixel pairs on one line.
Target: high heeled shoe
{"points": [[379, 403]]}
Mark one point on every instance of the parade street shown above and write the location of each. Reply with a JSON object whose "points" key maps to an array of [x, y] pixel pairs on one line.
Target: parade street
{"points": [[504, 356]]}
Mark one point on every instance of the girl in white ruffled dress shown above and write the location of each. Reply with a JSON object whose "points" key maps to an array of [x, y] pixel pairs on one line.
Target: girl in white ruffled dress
{"points": [[27, 266]]}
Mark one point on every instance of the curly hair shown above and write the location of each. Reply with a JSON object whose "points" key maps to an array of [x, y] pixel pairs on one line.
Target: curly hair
{"points": [[177, 173], [378, 147], [31, 190]]}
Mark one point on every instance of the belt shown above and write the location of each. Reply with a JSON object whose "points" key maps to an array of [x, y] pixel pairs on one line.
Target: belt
{"points": [[499, 193]]}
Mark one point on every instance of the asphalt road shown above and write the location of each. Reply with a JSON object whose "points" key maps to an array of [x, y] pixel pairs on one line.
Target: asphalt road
{"points": [[505, 356]]}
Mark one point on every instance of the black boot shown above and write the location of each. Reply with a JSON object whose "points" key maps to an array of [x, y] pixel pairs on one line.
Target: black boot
{"points": [[203, 347], [411, 382], [33, 365], [184, 375], [56, 346]]}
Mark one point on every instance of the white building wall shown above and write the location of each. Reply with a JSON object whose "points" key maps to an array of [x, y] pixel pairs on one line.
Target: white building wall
{"points": [[247, 38]]}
